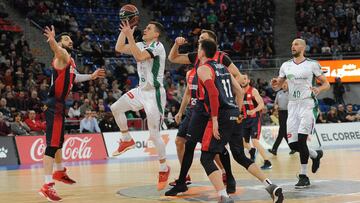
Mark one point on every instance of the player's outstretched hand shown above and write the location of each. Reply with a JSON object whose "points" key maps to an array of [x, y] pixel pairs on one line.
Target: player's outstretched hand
{"points": [[126, 29], [180, 41], [215, 127], [49, 33], [99, 73], [178, 117]]}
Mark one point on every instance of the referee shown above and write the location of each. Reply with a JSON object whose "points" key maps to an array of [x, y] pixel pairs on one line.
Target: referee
{"points": [[281, 101]]}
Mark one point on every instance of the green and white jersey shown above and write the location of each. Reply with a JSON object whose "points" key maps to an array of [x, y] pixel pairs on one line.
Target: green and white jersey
{"points": [[301, 77], [151, 71]]}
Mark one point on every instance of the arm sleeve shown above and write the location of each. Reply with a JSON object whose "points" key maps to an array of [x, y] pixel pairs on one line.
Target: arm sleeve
{"points": [[82, 77], [227, 61], [317, 69], [213, 97], [192, 57]]}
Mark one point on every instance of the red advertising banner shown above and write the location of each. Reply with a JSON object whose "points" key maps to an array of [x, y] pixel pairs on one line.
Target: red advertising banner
{"points": [[76, 148]]}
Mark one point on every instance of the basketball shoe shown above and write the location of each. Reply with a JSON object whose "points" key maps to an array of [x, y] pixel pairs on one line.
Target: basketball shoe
{"points": [[48, 191], [63, 177], [178, 188], [163, 179], [224, 199], [188, 181], [304, 182], [124, 146], [275, 193], [316, 161]]}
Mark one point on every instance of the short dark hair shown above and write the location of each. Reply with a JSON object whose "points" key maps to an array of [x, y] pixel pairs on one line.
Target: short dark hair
{"points": [[159, 27], [211, 34], [58, 38], [209, 47]]}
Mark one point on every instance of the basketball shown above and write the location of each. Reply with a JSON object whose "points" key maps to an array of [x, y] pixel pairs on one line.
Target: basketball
{"points": [[130, 13]]}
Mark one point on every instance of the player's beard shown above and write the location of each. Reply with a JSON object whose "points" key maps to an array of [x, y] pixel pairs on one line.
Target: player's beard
{"points": [[245, 86], [67, 48], [296, 54]]}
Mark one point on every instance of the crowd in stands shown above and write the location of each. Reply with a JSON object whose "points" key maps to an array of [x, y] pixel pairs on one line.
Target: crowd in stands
{"points": [[244, 28], [330, 27]]}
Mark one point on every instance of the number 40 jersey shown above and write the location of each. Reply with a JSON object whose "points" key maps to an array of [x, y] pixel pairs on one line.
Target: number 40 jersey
{"points": [[301, 77]]}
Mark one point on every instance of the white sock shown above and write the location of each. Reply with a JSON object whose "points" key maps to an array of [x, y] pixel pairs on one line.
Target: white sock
{"points": [[48, 179], [59, 167], [303, 169], [163, 167], [223, 170], [313, 154], [267, 182], [223, 193], [126, 137]]}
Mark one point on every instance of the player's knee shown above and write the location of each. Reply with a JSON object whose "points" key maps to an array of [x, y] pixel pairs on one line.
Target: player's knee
{"points": [[241, 158], [180, 142], [207, 161], [51, 151], [190, 145]]}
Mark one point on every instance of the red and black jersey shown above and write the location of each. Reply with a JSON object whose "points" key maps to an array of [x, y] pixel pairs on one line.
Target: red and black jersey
{"points": [[220, 57], [222, 79], [249, 103], [62, 81], [192, 83]]}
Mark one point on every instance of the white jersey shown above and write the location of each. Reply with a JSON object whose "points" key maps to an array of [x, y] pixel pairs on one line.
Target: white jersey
{"points": [[301, 77], [151, 71]]}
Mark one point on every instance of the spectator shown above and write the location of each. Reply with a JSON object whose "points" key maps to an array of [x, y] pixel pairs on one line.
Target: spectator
{"points": [[321, 118], [338, 91], [332, 116], [74, 111], [89, 123], [274, 117], [350, 114], [5, 110], [36, 126], [34, 102], [108, 123], [21, 103], [4, 127], [85, 106], [18, 127], [341, 113], [85, 46], [170, 118]]}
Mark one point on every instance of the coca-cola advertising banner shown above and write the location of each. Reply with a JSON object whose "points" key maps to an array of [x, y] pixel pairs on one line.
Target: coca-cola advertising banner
{"points": [[75, 148]]}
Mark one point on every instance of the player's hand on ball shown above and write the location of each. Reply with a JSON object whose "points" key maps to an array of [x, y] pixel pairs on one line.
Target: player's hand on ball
{"points": [[99, 73], [315, 90], [215, 128], [126, 29], [180, 41], [49, 33], [178, 118]]}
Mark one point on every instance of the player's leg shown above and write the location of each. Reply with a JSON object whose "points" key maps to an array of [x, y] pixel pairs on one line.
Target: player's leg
{"points": [[245, 131], [127, 102], [237, 150], [222, 160], [180, 147], [60, 171], [255, 133]]}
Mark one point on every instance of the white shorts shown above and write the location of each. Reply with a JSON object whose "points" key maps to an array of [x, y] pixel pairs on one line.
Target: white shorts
{"points": [[152, 101], [301, 119]]}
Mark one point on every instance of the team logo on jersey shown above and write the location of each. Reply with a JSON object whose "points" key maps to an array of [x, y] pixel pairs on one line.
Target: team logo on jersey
{"points": [[249, 95], [130, 95], [289, 135], [290, 76]]}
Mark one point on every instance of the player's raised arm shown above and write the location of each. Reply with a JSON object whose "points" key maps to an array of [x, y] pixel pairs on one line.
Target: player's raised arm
{"points": [[175, 56], [60, 53], [120, 46]]}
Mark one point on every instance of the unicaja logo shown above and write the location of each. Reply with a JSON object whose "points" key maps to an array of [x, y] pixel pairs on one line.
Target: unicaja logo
{"points": [[3, 153]]}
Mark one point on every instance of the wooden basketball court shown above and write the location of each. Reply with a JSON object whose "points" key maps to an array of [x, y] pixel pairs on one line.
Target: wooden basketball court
{"points": [[338, 180]]}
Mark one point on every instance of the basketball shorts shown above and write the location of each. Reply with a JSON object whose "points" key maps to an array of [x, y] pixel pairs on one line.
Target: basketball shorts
{"points": [[251, 128], [197, 124], [227, 122], [55, 123], [184, 124], [152, 101], [302, 116]]}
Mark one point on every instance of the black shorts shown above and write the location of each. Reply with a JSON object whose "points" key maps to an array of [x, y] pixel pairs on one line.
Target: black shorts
{"points": [[227, 122], [184, 124], [251, 127], [55, 123], [197, 124]]}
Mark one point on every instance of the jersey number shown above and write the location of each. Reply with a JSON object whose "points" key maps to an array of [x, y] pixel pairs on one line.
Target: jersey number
{"points": [[227, 87], [296, 94]]}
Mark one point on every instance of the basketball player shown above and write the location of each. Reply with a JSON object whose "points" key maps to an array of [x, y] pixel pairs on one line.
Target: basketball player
{"points": [[63, 77], [221, 89], [191, 58], [150, 95], [301, 73], [253, 104]]}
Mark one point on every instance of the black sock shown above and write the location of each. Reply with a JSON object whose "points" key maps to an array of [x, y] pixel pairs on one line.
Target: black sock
{"points": [[187, 161], [303, 148], [225, 160]]}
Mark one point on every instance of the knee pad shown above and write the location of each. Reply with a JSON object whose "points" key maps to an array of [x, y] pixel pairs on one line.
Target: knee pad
{"points": [[51, 151], [242, 159], [207, 161]]}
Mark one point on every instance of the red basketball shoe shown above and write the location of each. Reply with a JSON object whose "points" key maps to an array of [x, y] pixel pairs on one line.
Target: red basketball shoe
{"points": [[48, 191], [163, 178], [63, 177], [124, 146]]}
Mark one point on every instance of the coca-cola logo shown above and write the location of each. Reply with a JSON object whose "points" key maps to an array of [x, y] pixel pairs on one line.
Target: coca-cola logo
{"points": [[73, 148]]}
